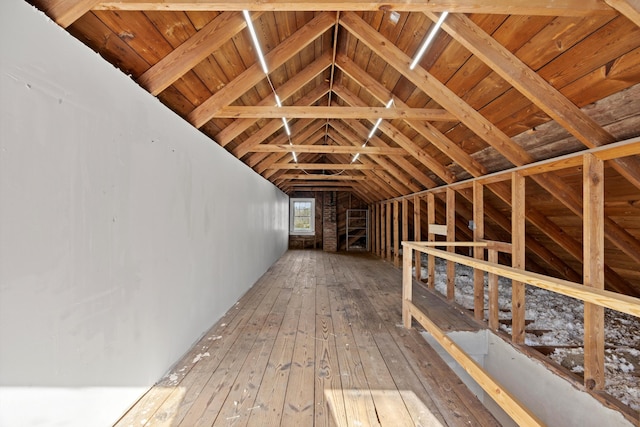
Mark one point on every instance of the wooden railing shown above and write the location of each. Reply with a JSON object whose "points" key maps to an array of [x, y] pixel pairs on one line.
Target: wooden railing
{"points": [[509, 186], [509, 403]]}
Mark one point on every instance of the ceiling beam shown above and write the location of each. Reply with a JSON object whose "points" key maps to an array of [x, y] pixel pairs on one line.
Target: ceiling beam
{"points": [[401, 139], [273, 126], [504, 7], [327, 149], [353, 130], [289, 88], [334, 112], [296, 187], [66, 12], [426, 130], [323, 166], [380, 177], [305, 131], [254, 74], [480, 126], [193, 51], [629, 8], [438, 91], [530, 84], [311, 184], [390, 174], [398, 168], [320, 177]]}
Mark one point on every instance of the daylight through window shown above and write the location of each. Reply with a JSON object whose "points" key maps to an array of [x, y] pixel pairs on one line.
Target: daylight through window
{"points": [[302, 216]]}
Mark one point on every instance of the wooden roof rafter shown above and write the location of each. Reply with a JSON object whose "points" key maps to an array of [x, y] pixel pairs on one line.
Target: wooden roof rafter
{"points": [[482, 127], [392, 176], [285, 91], [274, 125], [535, 88], [248, 79], [355, 131], [207, 40], [523, 7], [334, 70]]}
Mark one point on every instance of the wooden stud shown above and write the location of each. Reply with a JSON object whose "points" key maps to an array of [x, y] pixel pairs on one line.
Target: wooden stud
{"points": [[405, 221], [431, 261], [407, 285], [593, 190], [451, 237], [494, 307], [518, 256], [372, 228], [396, 233], [478, 253], [389, 231], [383, 230], [417, 233], [379, 239]]}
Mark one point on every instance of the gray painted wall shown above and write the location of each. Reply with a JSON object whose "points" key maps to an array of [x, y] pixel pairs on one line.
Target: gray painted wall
{"points": [[553, 399], [124, 232]]}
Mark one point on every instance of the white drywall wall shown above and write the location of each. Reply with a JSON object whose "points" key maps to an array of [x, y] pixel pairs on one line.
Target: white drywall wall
{"points": [[124, 232], [551, 398]]}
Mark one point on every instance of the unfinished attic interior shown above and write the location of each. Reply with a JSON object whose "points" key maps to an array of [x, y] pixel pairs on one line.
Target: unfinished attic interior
{"points": [[320, 213]]}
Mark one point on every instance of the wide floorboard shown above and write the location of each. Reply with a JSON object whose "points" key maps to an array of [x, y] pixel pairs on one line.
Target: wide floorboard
{"points": [[318, 340]]}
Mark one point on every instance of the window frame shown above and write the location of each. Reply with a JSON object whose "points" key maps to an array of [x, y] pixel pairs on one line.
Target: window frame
{"points": [[292, 230]]}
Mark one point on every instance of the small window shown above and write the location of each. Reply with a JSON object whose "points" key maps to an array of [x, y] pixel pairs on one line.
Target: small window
{"points": [[302, 216]]}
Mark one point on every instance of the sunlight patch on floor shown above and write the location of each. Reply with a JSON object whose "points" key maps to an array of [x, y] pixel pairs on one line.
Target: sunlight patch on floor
{"points": [[379, 407]]}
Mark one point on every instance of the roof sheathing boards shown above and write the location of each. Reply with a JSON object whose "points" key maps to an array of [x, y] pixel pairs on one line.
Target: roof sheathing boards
{"points": [[586, 55]]}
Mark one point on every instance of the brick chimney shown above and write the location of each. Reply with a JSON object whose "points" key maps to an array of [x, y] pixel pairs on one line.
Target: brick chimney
{"points": [[329, 222]]}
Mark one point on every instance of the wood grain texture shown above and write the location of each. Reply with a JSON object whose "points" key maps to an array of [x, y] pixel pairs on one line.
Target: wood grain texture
{"points": [[518, 243], [311, 319], [565, 7], [593, 243]]}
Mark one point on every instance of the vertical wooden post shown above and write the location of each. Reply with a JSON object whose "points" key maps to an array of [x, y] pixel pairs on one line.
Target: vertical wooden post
{"points": [[593, 236], [417, 234], [407, 285], [451, 237], [378, 243], [431, 219], [405, 221], [370, 229], [478, 252], [493, 293], [517, 256], [396, 233], [388, 226], [383, 230]]}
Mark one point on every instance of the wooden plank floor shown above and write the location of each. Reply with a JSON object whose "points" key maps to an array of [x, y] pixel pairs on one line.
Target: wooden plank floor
{"points": [[317, 341]]}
